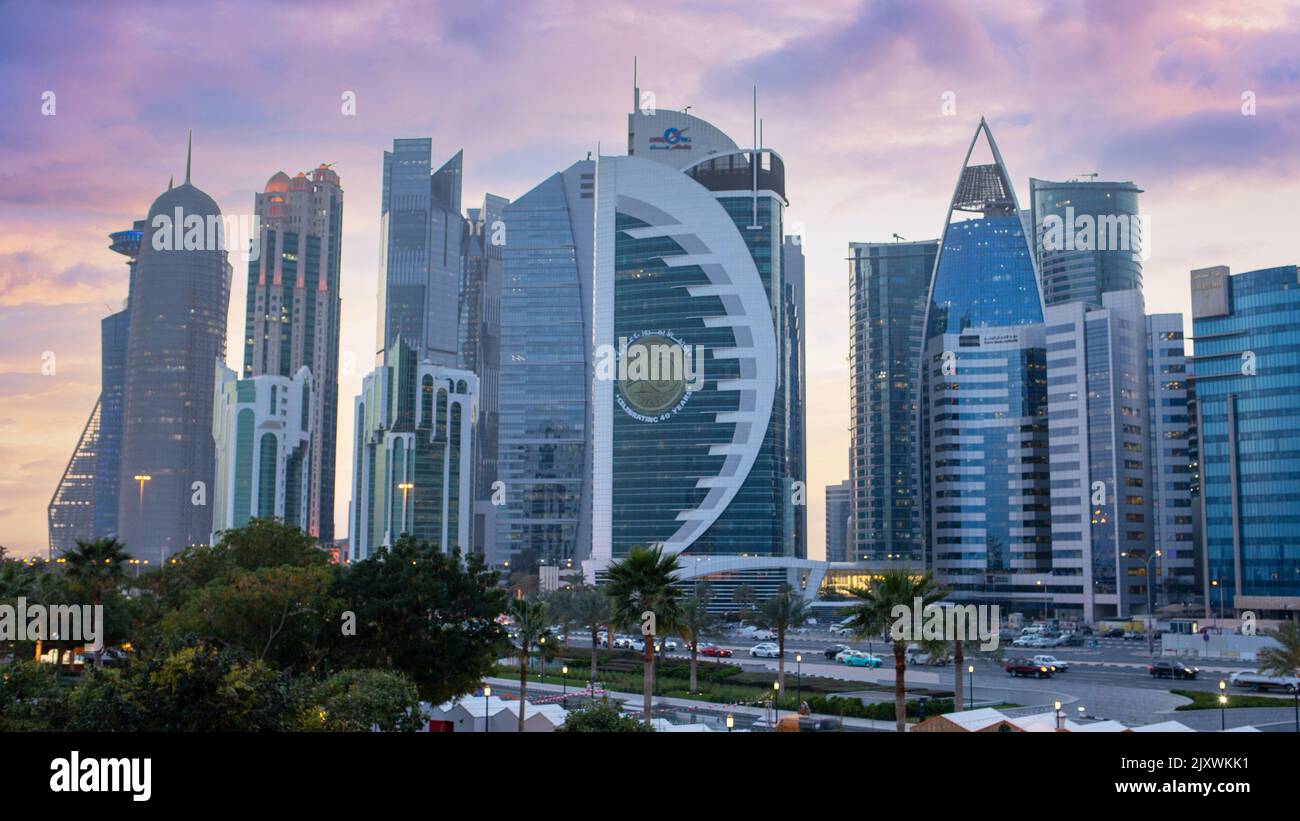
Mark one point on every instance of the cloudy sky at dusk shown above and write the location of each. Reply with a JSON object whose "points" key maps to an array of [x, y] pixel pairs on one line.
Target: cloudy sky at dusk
{"points": [[850, 94]]}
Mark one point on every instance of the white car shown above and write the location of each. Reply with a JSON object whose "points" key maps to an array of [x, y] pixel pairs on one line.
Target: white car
{"points": [[763, 635], [1025, 641], [845, 653], [669, 644], [1052, 661], [624, 643], [765, 650]]}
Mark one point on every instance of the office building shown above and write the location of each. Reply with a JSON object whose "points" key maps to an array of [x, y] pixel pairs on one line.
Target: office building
{"points": [[263, 428], [889, 285], [984, 396], [1247, 370], [413, 470], [839, 515], [292, 313], [1088, 238], [796, 370], [176, 337], [421, 234], [543, 460]]}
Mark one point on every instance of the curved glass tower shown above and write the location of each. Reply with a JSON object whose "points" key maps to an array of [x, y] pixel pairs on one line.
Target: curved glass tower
{"points": [[983, 414], [1088, 238], [176, 338]]}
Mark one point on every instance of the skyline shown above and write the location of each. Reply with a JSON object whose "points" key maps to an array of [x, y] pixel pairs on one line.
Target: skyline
{"points": [[108, 151]]}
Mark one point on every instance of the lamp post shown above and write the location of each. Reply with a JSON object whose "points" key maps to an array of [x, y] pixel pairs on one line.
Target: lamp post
{"points": [[1058, 714], [541, 645], [1223, 705], [1039, 583], [970, 672], [1081, 712], [405, 487], [1151, 608], [564, 686], [1219, 616], [776, 707], [731, 721], [487, 696], [798, 699]]}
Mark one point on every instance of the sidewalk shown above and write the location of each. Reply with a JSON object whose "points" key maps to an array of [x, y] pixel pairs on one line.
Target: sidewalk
{"points": [[635, 700]]}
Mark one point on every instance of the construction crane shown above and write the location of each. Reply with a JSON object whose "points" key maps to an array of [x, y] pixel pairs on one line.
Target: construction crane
{"points": [[899, 238], [1091, 176]]}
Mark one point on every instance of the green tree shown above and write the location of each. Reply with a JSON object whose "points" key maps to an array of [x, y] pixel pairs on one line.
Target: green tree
{"points": [[31, 698], [94, 568], [591, 610], [781, 612], [601, 716], [427, 613], [530, 622], [362, 700], [742, 597], [875, 613], [1283, 660], [641, 584], [692, 623]]}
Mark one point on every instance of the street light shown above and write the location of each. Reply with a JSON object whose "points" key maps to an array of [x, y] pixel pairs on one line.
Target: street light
{"points": [[970, 670], [1039, 582], [1223, 705], [487, 695], [541, 645], [405, 487], [1219, 617], [1151, 607], [776, 708], [1058, 714], [798, 699], [564, 687], [731, 721]]}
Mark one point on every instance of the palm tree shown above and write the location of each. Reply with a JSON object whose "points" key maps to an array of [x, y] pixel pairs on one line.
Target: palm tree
{"points": [[591, 609], [876, 613], [742, 596], [96, 567], [641, 591], [695, 618], [781, 612], [530, 621], [1284, 660]]}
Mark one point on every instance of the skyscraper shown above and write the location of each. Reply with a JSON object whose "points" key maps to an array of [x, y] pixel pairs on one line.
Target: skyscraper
{"points": [[292, 314], [691, 449], [263, 427], [1118, 453], [413, 470], [796, 378], [1247, 332], [480, 352], [421, 232], [84, 505], [984, 400], [176, 338], [839, 513], [888, 286], [545, 373], [1088, 238]]}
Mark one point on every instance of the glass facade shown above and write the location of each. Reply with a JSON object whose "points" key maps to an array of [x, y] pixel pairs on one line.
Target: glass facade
{"points": [[984, 400], [1247, 332], [1088, 237], [888, 286], [421, 256], [544, 372]]}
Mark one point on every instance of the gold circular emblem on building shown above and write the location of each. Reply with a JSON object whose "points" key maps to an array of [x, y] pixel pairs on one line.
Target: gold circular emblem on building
{"points": [[655, 380]]}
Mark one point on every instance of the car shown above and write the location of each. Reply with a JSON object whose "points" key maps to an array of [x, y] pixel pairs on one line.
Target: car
{"points": [[834, 650], [763, 635], [1113, 633], [624, 642], [1053, 662], [669, 644], [857, 658], [765, 650], [1134, 635], [1025, 641], [1172, 669], [1026, 667], [714, 651], [636, 644], [1263, 681]]}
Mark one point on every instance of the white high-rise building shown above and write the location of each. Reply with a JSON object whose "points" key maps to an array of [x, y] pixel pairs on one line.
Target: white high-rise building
{"points": [[263, 427]]}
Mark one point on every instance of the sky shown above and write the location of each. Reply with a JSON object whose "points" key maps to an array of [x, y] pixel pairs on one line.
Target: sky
{"points": [[1197, 101]]}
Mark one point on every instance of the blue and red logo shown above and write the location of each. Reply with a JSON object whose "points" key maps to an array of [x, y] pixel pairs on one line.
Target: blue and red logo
{"points": [[673, 139]]}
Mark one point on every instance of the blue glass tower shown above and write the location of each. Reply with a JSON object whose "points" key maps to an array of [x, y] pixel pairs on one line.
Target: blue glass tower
{"points": [[1247, 375], [984, 401]]}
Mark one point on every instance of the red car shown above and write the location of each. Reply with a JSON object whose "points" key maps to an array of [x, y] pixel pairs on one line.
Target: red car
{"points": [[1027, 667], [714, 651]]}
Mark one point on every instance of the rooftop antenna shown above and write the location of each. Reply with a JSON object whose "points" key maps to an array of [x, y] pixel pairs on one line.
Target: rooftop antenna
{"points": [[636, 90], [899, 238], [753, 164], [189, 153], [1091, 175]]}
